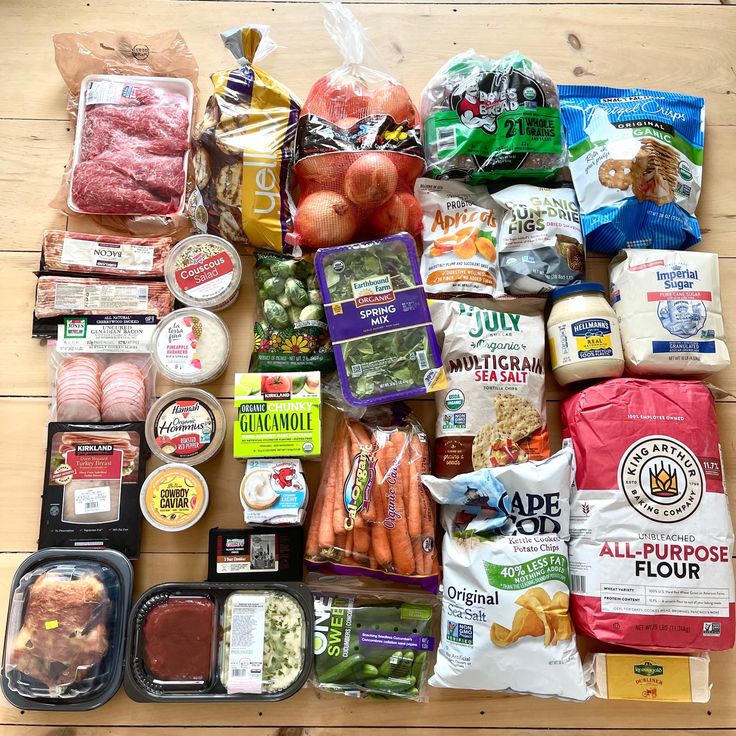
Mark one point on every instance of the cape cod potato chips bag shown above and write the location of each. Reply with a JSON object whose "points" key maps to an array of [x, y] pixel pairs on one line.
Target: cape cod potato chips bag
{"points": [[505, 618], [492, 412], [651, 535]]}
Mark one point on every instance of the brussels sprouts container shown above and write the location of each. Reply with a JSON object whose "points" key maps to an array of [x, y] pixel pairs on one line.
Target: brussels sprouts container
{"points": [[96, 586], [234, 635]]}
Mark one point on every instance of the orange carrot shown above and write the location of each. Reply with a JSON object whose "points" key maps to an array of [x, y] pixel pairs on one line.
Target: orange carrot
{"points": [[403, 557], [379, 534], [311, 550], [348, 544], [340, 468], [327, 490]]}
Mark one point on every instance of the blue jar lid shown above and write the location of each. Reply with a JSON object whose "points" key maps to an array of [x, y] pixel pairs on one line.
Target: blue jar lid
{"points": [[579, 288]]}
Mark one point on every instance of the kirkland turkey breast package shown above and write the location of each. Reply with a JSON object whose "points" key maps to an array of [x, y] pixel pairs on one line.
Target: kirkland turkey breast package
{"points": [[651, 536]]}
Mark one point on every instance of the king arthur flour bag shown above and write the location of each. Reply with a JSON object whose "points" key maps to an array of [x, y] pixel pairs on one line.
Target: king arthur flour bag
{"points": [[669, 308], [651, 536]]}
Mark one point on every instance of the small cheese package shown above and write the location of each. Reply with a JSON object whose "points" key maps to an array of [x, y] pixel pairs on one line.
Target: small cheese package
{"points": [[277, 415], [666, 678], [669, 308], [274, 492]]}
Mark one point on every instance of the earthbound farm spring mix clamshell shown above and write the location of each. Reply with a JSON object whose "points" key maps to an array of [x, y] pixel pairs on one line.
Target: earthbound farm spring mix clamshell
{"points": [[381, 329]]}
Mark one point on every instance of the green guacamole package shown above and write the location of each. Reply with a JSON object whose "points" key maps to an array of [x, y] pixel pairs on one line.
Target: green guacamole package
{"points": [[372, 642], [290, 331]]}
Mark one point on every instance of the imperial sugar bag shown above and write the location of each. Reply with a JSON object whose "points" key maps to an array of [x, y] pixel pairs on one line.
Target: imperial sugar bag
{"points": [[651, 536], [505, 619], [668, 304]]}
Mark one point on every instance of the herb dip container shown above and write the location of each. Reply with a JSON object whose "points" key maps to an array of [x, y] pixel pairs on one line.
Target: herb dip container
{"points": [[186, 425], [204, 271], [249, 642], [191, 346], [174, 497]]}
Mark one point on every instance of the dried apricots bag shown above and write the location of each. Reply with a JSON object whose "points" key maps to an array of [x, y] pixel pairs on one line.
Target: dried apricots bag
{"points": [[460, 234]]}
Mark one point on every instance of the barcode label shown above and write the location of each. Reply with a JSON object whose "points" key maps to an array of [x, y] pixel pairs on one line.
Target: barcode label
{"points": [[356, 370], [422, 361], [243, 672], [578, 583], [91, 506], [446, 139], [92, 500]]}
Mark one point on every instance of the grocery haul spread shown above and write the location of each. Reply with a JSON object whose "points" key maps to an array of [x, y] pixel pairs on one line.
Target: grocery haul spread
{"points": [[394, 257]]}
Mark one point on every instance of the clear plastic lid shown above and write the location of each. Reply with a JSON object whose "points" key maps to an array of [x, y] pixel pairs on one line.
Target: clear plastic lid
{"points": [[186, 425], [65, 630], [204, 271], [191, 346]]}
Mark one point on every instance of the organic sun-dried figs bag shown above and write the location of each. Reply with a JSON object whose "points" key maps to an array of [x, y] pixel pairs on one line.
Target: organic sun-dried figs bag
{"points": [[357, 151], [650, 533]]}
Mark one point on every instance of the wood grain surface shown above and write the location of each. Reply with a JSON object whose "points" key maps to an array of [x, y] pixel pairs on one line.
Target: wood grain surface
{"points": [[663, 44]]}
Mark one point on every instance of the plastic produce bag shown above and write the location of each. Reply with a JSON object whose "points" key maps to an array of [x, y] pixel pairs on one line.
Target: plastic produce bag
{"points": [[134, 94], [290, 329], [486, 119], [371, 515], [372, 642], [358, 152], [244, 147]]}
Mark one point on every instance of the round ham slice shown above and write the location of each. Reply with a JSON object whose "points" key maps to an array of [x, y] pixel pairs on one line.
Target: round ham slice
{"points": [[77, 410]]}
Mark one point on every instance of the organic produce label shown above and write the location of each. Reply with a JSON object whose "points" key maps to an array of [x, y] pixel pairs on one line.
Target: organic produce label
{"points": [[278, 415]]}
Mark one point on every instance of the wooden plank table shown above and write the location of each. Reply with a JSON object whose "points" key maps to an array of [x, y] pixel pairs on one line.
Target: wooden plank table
{"points": [[677, 45]]}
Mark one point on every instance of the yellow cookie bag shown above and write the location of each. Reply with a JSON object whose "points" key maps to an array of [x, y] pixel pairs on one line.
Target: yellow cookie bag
{"points": [[244, 148]]}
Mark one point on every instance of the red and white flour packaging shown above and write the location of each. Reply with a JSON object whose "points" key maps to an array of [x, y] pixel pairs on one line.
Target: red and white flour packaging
{"points": [[651, 536]]}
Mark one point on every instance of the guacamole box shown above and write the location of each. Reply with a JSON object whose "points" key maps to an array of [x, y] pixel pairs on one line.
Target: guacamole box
{"points": [[277, 415]]}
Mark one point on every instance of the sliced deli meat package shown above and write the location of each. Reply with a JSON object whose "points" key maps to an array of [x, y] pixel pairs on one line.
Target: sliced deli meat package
{"points": [[492, 412], [540, 241], [651, 535], [669, 308], [460, 235], [244, 147], [505, 601], [636, 159], [357, 151]]}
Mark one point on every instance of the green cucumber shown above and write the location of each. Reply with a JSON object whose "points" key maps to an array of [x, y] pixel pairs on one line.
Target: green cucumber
{"points": [[366, 671], [391, 684], [417, 668], [390, 663], [342, 669]]}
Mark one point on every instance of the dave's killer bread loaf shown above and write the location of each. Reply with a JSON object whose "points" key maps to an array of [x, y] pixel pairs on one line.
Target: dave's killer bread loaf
{"points": [[651, 536]]}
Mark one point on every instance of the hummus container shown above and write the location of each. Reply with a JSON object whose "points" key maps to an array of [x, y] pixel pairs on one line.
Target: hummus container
{"points": [[219, 642], [64, 640], [191, 346], [174, 497], [186, 425], [204, 271]]}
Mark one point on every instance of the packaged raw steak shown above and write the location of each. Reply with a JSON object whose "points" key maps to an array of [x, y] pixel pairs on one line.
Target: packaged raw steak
{"points": [[132, 96], [651, 536]]}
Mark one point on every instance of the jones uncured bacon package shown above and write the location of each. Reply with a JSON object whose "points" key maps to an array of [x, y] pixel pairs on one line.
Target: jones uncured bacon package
{"points": [[651, 535]]}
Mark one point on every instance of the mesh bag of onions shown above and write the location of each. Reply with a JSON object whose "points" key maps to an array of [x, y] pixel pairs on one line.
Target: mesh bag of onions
{"points": [[358, 152]]}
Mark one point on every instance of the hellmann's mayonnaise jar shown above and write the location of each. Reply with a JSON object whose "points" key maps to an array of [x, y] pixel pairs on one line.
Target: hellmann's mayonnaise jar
{"points": [[583, 334]]}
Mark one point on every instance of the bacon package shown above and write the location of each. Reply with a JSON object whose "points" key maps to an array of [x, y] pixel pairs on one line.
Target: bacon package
{"points": [[651, 536], [357, 151]]}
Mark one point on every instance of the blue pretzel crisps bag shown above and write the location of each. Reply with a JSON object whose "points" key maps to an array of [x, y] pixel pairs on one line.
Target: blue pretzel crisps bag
{"points": [[636, 159]]}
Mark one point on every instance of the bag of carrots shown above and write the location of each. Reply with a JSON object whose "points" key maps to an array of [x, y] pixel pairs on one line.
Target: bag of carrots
{"points": [[372, 515]]}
